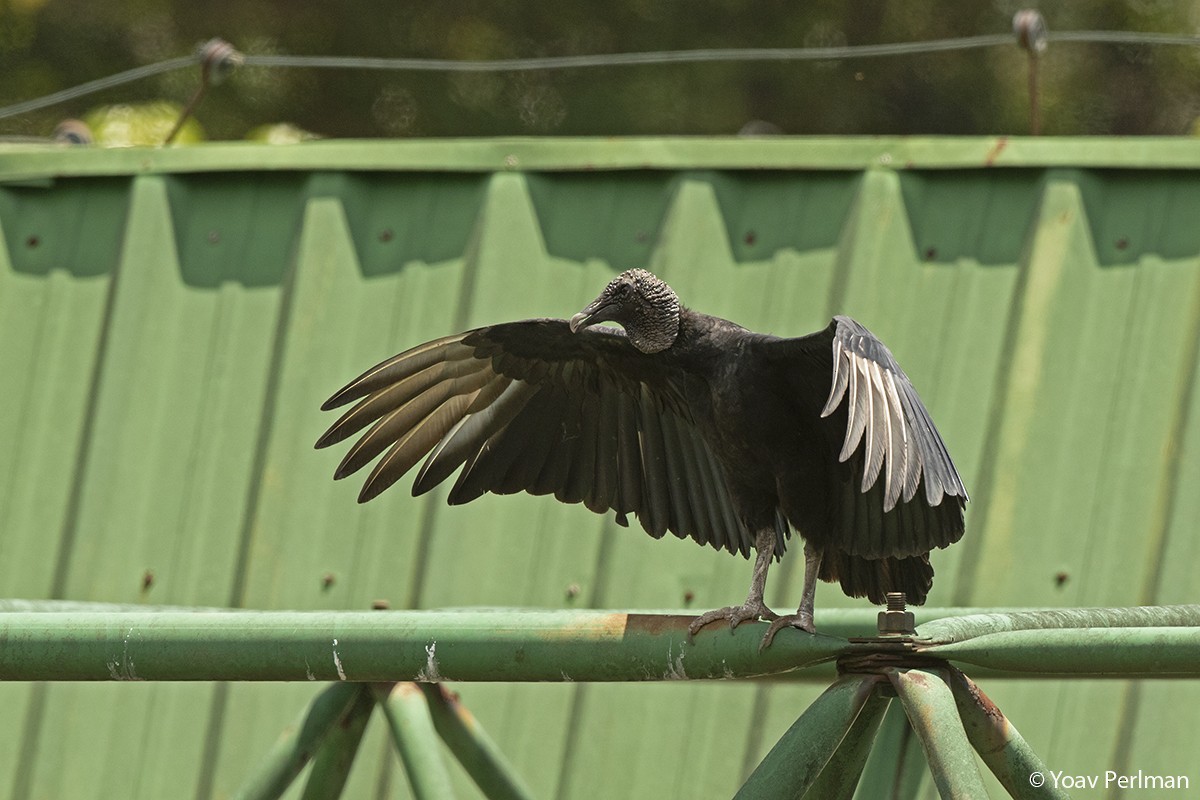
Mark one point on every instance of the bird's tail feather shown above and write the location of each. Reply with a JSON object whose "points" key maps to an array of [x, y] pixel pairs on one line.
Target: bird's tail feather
{"points": [[874, 578]]}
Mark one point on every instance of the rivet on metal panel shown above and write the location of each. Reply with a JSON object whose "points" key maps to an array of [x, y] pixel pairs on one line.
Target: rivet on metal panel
{"points": [[327, 580], [896, 620]]}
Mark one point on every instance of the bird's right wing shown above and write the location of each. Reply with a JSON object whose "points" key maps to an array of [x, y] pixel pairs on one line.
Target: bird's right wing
{"points": [[901, 494], [530, 406], [887, 415]]}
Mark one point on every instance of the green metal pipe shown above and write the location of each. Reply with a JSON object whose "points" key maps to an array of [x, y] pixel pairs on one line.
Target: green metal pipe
{"points": [[797, 759], [332, 765], [473, 748], [841, 773], [299, 743], [999, 744], [407, 713], [422, 646], [962, 627], [1083, 652], [896, 767], [930, 706]]}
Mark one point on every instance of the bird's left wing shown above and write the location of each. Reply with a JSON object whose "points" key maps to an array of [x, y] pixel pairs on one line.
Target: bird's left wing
{"points": [[530, 406], [884, 415]]}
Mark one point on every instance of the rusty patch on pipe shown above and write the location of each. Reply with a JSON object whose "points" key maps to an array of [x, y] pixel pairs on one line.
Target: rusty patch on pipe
{"points": [[451, 702], [599, 626], [983, 702], [995, 152], [657, 624]]}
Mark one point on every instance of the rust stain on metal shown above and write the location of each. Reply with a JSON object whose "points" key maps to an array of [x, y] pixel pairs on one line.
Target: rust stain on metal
{"points": [[984, 703], [996, 150], [451, 701], [600, 626], [657, 624], [917, 678], [405, 689]]}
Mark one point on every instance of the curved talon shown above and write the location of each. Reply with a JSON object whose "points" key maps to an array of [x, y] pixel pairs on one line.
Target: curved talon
{"points": [[735, 614], [802, 622]]}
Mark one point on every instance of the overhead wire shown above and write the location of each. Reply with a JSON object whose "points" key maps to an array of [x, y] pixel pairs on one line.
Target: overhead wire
{"points": [[726, 55]]}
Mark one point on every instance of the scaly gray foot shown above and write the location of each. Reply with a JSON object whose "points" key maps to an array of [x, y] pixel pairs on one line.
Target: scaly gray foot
{"points": [[736, 615], [802, 621]]}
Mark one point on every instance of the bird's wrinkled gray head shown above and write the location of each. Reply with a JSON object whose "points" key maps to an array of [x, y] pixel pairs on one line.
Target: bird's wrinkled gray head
{"points": [[640, 303]]}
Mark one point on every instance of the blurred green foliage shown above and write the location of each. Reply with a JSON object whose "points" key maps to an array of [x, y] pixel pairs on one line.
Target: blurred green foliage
{"points": [[149, 124], [47, 45]]}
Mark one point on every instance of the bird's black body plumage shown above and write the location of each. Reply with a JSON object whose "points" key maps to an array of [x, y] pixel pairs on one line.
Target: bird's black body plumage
{"points": [[716, 433]]}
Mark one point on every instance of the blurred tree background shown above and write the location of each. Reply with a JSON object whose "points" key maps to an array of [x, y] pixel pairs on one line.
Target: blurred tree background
{"points": [[48, 45]]}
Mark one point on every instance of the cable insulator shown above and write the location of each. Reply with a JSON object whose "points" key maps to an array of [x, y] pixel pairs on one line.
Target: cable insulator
{"points": [[218, 59], [1030, 29]]}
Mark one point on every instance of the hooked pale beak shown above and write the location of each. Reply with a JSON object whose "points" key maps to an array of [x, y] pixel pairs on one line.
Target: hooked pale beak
{"points": [[578, 321], [599, 310]]}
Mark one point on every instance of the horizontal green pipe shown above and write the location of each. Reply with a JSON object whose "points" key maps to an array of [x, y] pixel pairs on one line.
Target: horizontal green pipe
{"points": [[467, 645], [31, 161], [859, 620], [1082, 652], [966, 626]]}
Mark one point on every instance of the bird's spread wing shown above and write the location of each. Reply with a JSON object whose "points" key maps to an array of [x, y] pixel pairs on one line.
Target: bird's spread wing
{"points": [[530, 406], [888, 442], [886, 414]]}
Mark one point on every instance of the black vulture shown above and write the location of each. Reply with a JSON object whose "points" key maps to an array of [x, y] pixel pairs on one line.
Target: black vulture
{"points": [[695, 425]]}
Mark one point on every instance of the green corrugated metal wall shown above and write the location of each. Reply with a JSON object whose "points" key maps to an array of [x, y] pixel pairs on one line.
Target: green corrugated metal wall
{"points": [[171, 320]]}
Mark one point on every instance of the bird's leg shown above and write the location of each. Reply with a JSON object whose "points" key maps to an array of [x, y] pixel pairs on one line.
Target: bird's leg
{"points": [[803, 618], [754, 607]]}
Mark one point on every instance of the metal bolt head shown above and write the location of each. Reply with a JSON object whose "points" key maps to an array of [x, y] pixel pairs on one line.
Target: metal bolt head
{"points": [[896, 620]]}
